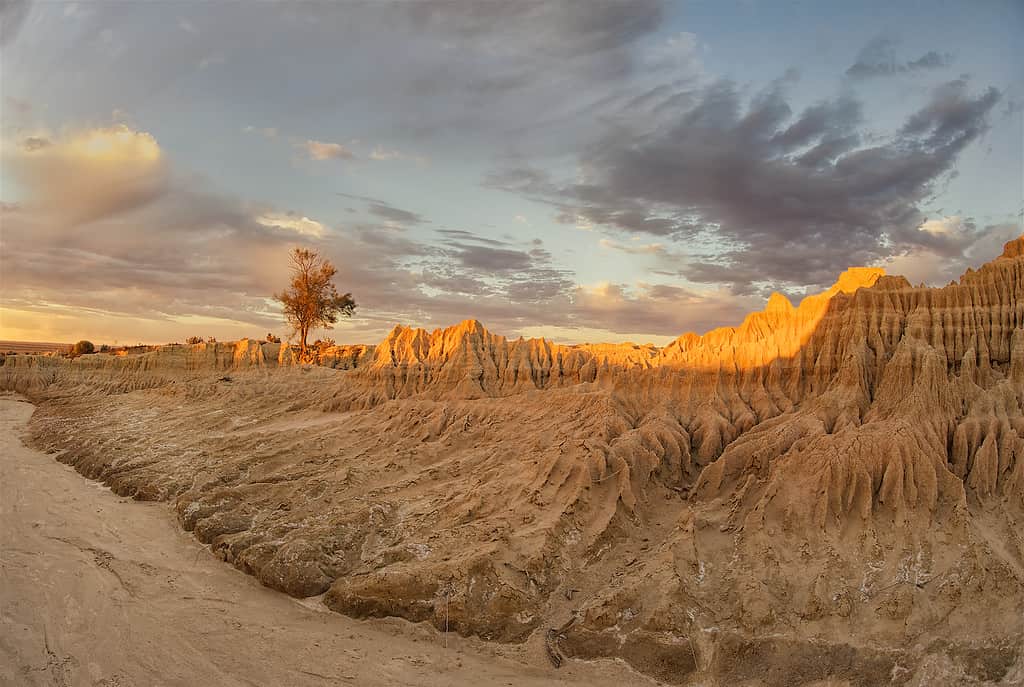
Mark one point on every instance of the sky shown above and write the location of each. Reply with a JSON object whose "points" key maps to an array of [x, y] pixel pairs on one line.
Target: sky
{"points": [[590, 170]]}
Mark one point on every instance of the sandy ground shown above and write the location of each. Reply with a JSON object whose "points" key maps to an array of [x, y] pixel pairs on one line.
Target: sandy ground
{"points": [[100, 590]]}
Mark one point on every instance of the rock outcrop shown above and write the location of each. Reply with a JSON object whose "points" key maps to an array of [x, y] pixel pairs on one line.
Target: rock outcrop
{"points": [[829, 491]]}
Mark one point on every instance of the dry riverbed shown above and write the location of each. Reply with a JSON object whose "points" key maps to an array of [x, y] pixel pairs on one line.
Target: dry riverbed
{"points": [[100, 590]]}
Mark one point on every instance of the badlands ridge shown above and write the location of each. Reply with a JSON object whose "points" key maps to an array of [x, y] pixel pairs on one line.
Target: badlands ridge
{"points": [[830, 492]]}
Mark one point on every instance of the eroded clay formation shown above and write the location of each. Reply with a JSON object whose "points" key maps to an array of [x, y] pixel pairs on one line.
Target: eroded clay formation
{"points": [[833, 490]]}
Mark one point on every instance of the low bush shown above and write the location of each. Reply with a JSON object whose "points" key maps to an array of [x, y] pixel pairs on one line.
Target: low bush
{"points": [[83, 347]]}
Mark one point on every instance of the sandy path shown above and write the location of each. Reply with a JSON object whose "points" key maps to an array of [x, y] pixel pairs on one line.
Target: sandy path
{"points": [[100, 590]]}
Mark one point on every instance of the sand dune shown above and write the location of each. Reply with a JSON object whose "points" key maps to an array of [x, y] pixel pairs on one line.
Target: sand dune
{"points": [[831, 491]]}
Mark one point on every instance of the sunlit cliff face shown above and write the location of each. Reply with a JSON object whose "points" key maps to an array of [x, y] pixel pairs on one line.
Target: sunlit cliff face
{"points": [[779, 332]]}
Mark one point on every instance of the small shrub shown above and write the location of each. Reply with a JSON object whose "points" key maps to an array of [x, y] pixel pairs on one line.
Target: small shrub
{"points": [[192, 340], [83, 347]]}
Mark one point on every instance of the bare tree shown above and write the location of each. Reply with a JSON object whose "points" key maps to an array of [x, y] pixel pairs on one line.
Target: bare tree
{"points": [[312, 300]]}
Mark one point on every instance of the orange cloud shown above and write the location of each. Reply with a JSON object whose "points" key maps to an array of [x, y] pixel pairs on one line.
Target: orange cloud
{"points": [[323, 150]]}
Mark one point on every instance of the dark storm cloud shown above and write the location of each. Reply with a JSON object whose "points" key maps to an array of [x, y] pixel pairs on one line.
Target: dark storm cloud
{"points": [[878, 58], [779, 194]]}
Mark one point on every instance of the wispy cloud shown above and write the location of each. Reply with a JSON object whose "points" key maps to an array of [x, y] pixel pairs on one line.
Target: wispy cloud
{"points": [[324, 150], [293, 222], [265, 131], [381, 154], [878, 58], [387, 211], [634, 248]]}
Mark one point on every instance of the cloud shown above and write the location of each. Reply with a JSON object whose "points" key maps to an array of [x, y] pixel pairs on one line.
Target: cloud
{"points": [[584, 26], [17, 105], [91, 173], [530, 75], [292, 222], [387, 211], [677, 52], [12, 15], [489, 259], [186, 255], [700, 180], [466, 70], [322, 150], [654, 308], [776, 197], [952, 119], [519, 271], [265, 131], [956, 246], [387, 155], [158, 247], [489, 255], [188, 258], [393, 214], [33, 143], [635, 249], [878, 58], [457, 235]]}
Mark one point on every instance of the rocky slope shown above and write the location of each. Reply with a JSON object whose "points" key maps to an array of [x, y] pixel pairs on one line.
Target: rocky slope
{"points": [[832, 491]]}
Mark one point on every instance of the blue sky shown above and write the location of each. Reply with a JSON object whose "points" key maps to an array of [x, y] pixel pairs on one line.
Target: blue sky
{"points": [[583, 170]]}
